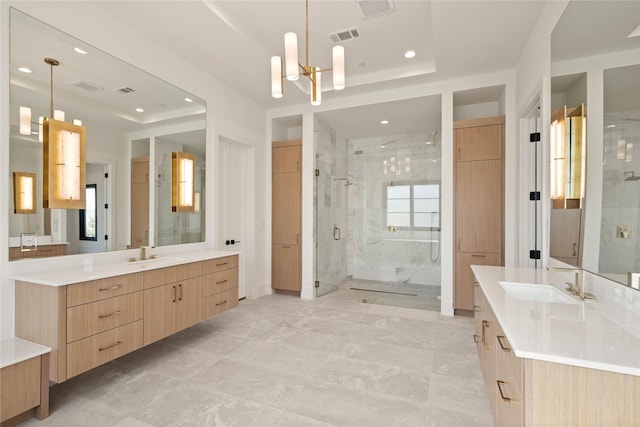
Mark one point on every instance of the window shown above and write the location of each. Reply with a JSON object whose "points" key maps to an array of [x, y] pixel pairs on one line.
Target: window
{"points": [[413, 206], [88, 217]]}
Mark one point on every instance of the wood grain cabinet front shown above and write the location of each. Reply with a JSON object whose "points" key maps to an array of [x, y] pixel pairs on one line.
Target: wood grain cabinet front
{"points": [[90, 323]]}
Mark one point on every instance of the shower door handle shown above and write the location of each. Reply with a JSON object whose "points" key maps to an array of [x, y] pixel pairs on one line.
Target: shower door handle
{"points": [[336, 233]]}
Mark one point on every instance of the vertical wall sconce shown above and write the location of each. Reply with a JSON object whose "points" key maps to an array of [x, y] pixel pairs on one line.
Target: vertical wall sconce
{"points": [[25, 121], [568, 149], [64, 160], [24, 193], [182, 182]]}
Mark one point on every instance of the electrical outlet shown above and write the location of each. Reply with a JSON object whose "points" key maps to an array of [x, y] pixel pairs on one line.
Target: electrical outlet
{"points": [[623, 231]]}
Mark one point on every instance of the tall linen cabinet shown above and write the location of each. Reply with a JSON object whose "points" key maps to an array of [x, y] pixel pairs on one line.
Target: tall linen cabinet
{"points": [[286, 265], [479, 201]]}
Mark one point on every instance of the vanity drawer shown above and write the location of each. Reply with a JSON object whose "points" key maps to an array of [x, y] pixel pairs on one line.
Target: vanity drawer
{"points": [[82, 293], [219, 264], [98, 349], [89, 319], [164, 276], [220, 302], [219, 282]]}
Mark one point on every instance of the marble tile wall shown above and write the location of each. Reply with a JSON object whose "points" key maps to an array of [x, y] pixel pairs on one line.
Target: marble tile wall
{"points": [[375, 252]]}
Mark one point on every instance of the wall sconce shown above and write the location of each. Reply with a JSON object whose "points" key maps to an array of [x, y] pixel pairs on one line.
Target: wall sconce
{"points": [[24, 193], [64, 159], [182, 180], [568, 149]]}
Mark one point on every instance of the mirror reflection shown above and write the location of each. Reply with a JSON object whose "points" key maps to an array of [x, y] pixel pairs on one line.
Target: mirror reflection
{"points": [[595, 57], [129, 115]]}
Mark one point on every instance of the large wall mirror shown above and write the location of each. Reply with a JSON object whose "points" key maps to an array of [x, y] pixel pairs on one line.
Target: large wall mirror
{"points": [[595, 54], [130, 117]]}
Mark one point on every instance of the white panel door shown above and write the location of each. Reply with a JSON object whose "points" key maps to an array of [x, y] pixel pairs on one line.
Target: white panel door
{"points": [[232, 188]]}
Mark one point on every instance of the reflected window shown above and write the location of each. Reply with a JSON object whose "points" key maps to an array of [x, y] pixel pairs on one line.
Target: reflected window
{"points": [[413, 206], [88, 216]]}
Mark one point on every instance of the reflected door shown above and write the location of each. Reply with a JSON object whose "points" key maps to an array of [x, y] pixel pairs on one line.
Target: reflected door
{"points": [[233, 190]]}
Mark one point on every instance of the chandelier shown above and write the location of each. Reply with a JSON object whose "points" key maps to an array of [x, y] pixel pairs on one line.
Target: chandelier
{"points": [[293, 69]]}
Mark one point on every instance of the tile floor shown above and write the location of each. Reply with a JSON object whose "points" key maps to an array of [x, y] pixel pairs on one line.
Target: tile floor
{"points": [[282, 361]]}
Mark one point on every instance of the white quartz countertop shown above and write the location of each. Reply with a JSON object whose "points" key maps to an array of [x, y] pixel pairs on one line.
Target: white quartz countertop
{"points": [[16, 350], [599, 335], [88, 269]]}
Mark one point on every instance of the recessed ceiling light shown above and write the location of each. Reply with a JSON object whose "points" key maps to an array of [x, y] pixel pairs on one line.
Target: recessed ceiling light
{"points": [[410, 54], [434, 161], [384, 122], [80, 51], [139, 110], [188, 99], [611, 126], [429, 142], [25, 70], [382, 146]]}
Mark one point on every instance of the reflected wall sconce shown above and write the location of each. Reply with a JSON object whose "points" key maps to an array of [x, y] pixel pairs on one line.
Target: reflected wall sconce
{"points": [[24, 193], [293, 69], [182, 182], [568, 150], [64, 159]]}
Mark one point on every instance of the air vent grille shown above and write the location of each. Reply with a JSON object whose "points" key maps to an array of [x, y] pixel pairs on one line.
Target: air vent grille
{"points": [[371, 8], [125, 90], [90, 87], [340, 36]]}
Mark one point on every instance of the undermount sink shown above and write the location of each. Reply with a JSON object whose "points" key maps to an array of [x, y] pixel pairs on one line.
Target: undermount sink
{"points": [[533, 292]]}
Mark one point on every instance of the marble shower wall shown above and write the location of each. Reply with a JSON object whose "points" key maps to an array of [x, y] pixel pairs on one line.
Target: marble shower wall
{"points": [[374, 252], [330, 199], [620, 200]]}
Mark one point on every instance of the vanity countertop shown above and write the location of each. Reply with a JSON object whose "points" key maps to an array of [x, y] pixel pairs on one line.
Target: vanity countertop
{"points": [[602, 334], [16, 350], [90, 270]]}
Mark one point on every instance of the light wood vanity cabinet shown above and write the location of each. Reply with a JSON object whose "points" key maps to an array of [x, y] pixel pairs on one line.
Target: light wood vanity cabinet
{"points": [[173, 300], [40, 252], [530, 392], [90, 323]]}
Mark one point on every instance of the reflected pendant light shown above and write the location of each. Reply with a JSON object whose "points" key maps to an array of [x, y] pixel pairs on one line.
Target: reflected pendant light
{"points": [[24, 193], [64, 159], [293, 68]]}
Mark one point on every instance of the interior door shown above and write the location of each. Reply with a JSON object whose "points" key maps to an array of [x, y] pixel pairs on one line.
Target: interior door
{"points": [[233, 190]]}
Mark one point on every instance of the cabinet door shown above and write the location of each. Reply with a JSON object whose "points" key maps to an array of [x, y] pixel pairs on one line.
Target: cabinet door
{"points": [[478, 143], [189, 304], [564, 239], [287, 159], [464, 276], [159, 312], [286, 270], [139, 203], [287, 208], [479, 206]]}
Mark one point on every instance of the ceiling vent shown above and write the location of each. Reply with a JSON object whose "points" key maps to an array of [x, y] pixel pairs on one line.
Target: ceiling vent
{"points": [[125, 90], [341, 36], [89, 87], [372, 8]]}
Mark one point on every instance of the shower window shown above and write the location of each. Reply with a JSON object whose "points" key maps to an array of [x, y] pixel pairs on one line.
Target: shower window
{"points": [[413, 206]]}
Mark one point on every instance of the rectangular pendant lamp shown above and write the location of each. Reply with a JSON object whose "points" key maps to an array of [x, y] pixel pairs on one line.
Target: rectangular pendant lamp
{"points": [[64, 165], [182, 182]]}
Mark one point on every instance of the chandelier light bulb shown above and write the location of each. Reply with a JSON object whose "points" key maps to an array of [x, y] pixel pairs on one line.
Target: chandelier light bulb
{"points": [[276, 77], [338, 67], [291, 55]]}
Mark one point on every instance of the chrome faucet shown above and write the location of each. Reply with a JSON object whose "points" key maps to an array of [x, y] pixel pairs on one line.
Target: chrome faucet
{"points": [[576, 288]]}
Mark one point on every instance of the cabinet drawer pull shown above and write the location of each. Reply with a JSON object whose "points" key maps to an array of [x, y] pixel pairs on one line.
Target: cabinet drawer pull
{"points": [[113, 288], [221, 303], [476, 308], [174, 294], [110, 346], [485, 324], [220, 265], [502, 346], [285, 246], [505, 398], [221, 282], [476, 338], [180, 297], [478, 256], [102, 316]]}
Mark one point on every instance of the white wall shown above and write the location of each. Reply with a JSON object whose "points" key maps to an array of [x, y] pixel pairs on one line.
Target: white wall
{"points": [[228, 112]]}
